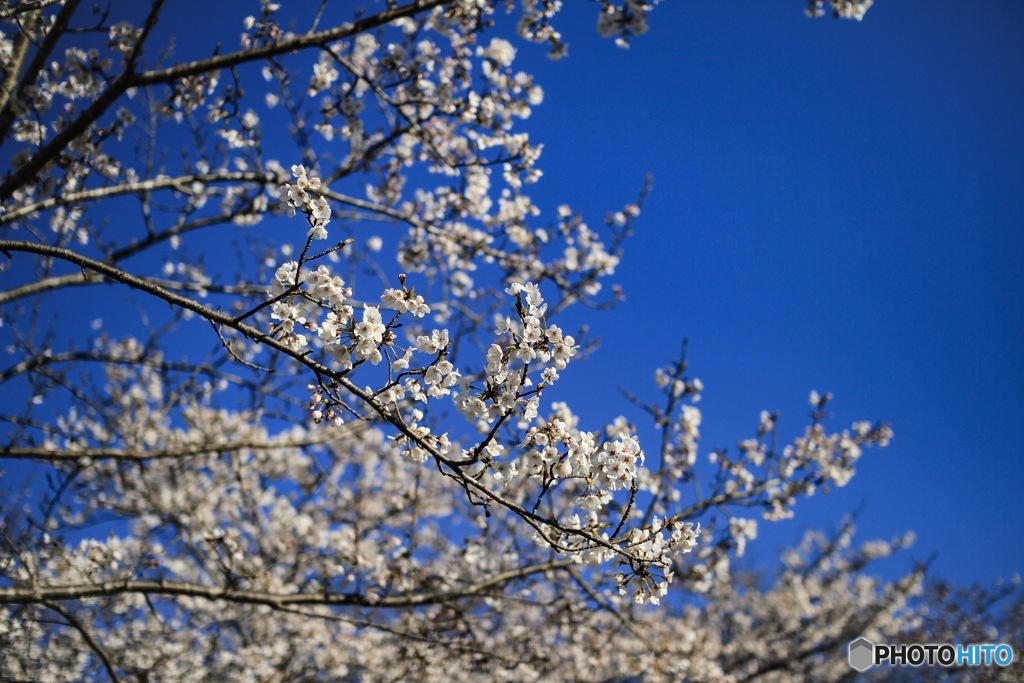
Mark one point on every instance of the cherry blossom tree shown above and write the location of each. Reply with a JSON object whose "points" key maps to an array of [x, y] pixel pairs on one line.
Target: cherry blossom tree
{"points": [[283, 405]]}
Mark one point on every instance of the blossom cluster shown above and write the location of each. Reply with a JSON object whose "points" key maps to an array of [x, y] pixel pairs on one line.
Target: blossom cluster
{"points": [[318, 302], [315, 206], [842, 9], [559, 452], [530, 339], [624, 22]]}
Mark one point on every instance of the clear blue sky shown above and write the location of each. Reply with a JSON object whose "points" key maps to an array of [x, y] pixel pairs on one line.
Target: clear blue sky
{"points": [[837, 206]]}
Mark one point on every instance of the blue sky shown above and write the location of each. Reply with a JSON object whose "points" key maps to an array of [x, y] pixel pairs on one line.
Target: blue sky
{"points": [[837, 206]]}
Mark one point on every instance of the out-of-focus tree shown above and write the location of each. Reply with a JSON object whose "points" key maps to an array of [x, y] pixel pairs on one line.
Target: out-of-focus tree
{"points": [[280, 406]]}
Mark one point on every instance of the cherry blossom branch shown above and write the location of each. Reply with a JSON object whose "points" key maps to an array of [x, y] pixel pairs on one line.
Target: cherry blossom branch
{"points": [[22, 7], [129, 455], [145, 285], [87, 637], [17, 59], [439, 231], [48, 284], [410, 220], [216, 316], [572, 292], [53, 34], [403, 634], [35, 594], [399, 108], [604, 604], [180, 183], [285, 46], [129, 79], [902, 589], [40, 361]]}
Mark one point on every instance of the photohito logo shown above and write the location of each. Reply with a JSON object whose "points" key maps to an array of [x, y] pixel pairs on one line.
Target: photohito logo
{"points": [[865, 654]]}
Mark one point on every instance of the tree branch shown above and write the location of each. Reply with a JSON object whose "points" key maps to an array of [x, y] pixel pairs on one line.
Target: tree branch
{"points": [[53, 34], [128, 79], [368, 397], [130, 455], [87, 637], [44, 594], [21, 8], [179, 183]]}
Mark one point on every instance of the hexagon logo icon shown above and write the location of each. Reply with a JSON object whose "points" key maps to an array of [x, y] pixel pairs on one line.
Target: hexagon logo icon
{"points": [[862, 654]]}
